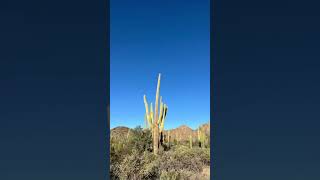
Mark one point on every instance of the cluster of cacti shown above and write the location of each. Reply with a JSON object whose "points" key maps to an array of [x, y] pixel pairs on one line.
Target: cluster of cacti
{"points": [[201, 137], [156, 121]]}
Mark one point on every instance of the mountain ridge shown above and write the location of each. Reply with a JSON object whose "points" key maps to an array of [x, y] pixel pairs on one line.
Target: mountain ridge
{"points": [[181, 133]]}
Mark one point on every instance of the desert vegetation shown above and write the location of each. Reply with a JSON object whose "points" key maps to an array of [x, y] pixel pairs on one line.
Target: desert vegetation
{"points": [[154, 153], [132, 157]]}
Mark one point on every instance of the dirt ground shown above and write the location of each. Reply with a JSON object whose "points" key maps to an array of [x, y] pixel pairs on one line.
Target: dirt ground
{"points": [[206, 172], [204, 175]]}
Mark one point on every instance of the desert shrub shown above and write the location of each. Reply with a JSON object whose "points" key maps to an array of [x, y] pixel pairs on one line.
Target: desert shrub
{"points": [[204, 154], [130, 166], [137, 139], [150, 168], [179, 163], [117, 153], [175, 142], [169, 175], [131, 150], [176, 175], [181, 158], [140, 140], [139, 166]]}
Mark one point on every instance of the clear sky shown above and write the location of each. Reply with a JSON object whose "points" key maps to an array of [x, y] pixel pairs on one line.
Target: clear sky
{"points": [[167, 37]]}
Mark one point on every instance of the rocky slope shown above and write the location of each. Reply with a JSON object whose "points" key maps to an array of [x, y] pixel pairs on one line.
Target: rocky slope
{"points": [[119, 132], [181, 133]]}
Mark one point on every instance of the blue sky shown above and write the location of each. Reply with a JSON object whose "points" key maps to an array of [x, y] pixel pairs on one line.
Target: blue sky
{"points": [[167, 37]]}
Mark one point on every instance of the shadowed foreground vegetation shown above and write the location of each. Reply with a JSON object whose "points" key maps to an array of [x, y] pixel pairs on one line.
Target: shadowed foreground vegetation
{"points": [[132, 158]]}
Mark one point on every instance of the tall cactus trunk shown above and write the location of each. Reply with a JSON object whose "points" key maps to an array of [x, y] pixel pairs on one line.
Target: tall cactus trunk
{"points": [[199, 137], [161, 138], [155, 124]]}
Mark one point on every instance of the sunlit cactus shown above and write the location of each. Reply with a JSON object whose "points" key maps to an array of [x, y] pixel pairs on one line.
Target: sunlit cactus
{"points": [[201, 138], [148, 114], [151, 115], [163, 114], [190, 141], [156, 120]]}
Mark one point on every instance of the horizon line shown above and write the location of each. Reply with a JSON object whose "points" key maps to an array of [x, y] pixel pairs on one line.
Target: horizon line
{"points": [[208, 122]]}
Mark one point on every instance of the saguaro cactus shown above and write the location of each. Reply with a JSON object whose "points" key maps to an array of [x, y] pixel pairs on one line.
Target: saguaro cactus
{"points": [[156, 120], [201, 138], [190, 141]]}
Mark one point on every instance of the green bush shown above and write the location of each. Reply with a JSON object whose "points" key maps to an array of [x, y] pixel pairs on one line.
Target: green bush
{"points": [[140, 140]]}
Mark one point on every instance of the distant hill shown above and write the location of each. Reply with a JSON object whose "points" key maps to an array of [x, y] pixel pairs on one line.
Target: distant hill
{"points": [[206, 128], [119, 132], [181, 133]]}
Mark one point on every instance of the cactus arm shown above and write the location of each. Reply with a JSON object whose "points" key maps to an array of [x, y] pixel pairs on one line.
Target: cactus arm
{"points": [[161, 110], [163, 117], [160, 115], [165, 111], [151, 113], [146, 105], [148, 115]]}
